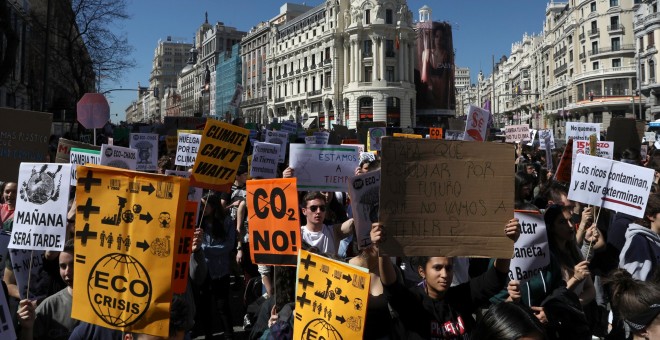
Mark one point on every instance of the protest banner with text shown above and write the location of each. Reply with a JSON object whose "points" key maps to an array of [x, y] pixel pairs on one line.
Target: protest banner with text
{"points": [[64, 147], [265, 157], [323, 167], [183, 246], [274, 221], [517, 133], [331, 299], [24, 137], [531, 252], [581, 131], [364, 191], [322, 137], [41, 207], [435, 133], [186, 148], [146, 145], [280, 138], [613, 185], [446, 198], [126, 226], [82, 157], [220, 154], [476, 125], [604, 149], [118, 157]]}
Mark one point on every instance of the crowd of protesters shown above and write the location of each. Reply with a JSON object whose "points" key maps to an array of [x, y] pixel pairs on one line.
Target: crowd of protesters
{"points": [[603, 279]]}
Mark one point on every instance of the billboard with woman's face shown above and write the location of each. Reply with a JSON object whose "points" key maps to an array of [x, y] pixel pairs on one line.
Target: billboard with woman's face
{"points": [[434, 71]]}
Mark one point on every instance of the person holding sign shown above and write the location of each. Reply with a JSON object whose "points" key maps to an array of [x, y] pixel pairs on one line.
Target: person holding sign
{"points": [[7, 208], [317, 234], [640, 255], [433, 309]]}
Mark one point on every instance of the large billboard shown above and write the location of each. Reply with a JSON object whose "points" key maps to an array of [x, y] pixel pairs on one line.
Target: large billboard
{"points": [[434, 70]]}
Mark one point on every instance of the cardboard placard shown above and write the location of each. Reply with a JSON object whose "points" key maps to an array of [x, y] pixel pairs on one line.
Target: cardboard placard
{"points": [[280, 138], [581, 131], [183, 246], [476, 125], [41, 208], [433, 202], [373, 140], [146, 145], [323, 167], [126, 225], [274, 221], [187, 148], [331, 298], [64, 147], [517, 133], [220, 154], [24, 137], [265, 157], [531, 252], [118, 157], [82, 157], [364, 191], [435, 133]]}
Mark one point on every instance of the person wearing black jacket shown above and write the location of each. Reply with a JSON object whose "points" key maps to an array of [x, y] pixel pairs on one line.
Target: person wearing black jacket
{"points": [[433, 309]]}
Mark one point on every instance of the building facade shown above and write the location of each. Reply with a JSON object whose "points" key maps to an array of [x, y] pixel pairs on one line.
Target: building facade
{"points": [[170, 57], [647, 31], [228, 75]]}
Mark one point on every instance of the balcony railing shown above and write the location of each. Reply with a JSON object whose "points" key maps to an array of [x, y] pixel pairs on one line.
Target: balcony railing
{"points": [[594, 31], [561, 69], [625, 47], [582, 55], [315, 93], [389, 54], [312, 67], [615, 28], [279, 99], [367, 55], [581, 36], [327, 61]]}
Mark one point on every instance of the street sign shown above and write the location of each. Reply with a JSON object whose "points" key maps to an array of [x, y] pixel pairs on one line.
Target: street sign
{"points": [[93, 111]]}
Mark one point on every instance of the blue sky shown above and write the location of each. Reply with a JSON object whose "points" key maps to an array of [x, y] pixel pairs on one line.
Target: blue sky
{"points": [[481, 28]]}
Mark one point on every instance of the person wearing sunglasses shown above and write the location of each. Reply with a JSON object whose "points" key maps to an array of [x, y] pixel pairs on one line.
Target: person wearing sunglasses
{"points": [[317, 234]]}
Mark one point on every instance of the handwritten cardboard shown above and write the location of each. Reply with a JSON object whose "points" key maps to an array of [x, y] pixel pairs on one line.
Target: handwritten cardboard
{"points": [[323, 167]]}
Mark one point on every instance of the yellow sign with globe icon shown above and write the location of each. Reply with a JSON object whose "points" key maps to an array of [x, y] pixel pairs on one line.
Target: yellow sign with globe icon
{"points": [[126, 225], [331, 299]]}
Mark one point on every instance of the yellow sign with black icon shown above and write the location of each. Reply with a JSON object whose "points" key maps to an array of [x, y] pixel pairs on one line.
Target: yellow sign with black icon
{"points": [[126, 225], [331, 298]]}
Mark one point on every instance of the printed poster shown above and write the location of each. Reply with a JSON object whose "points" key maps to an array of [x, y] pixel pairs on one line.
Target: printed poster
{"points": [[126, 227], [274, 221], [118, 157], [323, 167], [604, 149], [531, 253], [476, 125], [364, 191], [82, 157], [146, 145], [543, 134], [331, 299], [373, 140], [280, 138], [41, 206], [582, 131], [435, 133], [187, 148], [265, 157]]}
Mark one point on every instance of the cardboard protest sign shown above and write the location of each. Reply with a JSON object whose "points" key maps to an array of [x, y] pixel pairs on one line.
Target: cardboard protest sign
{"points": [[280, 138], [604, 149], [516, 133], [582, 131], [82, 157], [322, 137], [265, 157], [434, 201], [435, 133], [28, 265], [310, 140], [171, 143], [542, 137], [610, 184], [290, 127], [64, 147], [274, 221], [407, 135], [183, 246], [454, 135], [186, 148], [118, 157], [531, 252], [6, 324], [41, 207], [23, 138], [364, 191], [323, 167], [532, 136], [624, 133], [146, 145], [373, 140], [331, 298], [220, 154], [565, 166], [126, 225], [476, 125]]}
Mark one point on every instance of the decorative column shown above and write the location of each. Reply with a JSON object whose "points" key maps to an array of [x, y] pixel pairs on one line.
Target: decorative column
{"points": [[374, 56], [382, 58], [347, 48]]}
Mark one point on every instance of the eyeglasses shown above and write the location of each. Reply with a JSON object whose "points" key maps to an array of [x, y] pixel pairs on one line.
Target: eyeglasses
{"points": [[313, 208]]}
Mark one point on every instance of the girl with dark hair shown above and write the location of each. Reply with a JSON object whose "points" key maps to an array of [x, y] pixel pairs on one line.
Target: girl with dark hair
{"points": [[640, 254], [637, 303], [507, 321]]}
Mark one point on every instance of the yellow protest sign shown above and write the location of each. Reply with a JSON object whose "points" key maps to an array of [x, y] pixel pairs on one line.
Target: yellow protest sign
{"points": [[435, 133], [126, 223], [331, 299], [407, 135], [220, 153], [273, 221]]}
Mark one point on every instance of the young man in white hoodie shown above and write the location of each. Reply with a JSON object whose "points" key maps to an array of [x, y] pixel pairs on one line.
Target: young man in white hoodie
{"points": [[640, 255]]}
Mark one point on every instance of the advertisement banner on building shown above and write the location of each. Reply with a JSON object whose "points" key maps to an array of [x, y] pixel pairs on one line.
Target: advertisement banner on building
{"points": [[436, 93]]}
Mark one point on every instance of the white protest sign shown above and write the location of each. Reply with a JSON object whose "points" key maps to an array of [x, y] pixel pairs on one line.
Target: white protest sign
{"points": [[360, 146], [118, 157], [581, 131], [310, 140], [322, 137], [82, 157], [454, 135], [289, 127], [604, 149], [41, 207], [30, 268], [532, 136], [280, 138], [6, 324], [323, 167], [476, 124], [531, 252], [650, 136], [613, 185], [516, 133], [364, 191], [265, 157], [542, 135], [186, 148], [146, 145], [375, 134]]}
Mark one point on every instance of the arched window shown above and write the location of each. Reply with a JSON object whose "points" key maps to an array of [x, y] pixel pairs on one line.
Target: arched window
{"points": [[366, 109], [393, 111]]}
